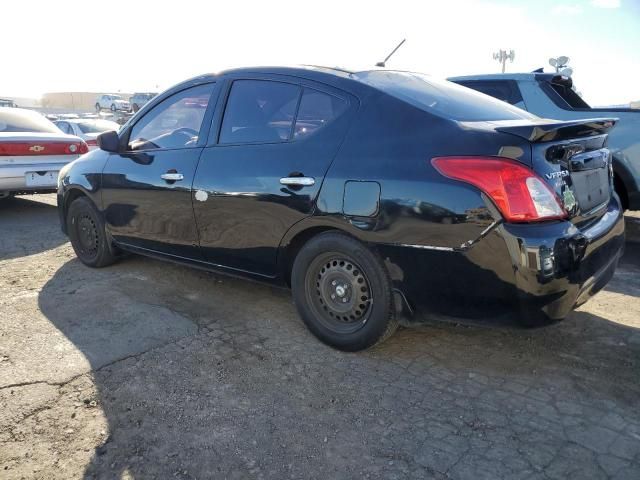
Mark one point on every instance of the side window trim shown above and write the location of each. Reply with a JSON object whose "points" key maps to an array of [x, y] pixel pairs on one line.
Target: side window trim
{"points": [[204, 127]]}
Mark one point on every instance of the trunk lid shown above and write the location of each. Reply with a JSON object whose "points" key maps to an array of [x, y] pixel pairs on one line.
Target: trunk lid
{"points": [[572, 158], [38, 147]]}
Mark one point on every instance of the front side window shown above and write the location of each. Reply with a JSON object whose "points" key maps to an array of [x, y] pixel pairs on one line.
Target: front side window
{"points": [[259, 111], [173, 123], [317, 110]]}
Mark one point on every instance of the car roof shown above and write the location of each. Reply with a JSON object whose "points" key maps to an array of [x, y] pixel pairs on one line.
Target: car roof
{"points": [[504, 76]]}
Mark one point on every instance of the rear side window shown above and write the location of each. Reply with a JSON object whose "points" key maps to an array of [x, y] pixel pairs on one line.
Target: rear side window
{"points": [[259, 111], [18, 120], [442, 98], [317, 110], [505, 90], [568, 96]]}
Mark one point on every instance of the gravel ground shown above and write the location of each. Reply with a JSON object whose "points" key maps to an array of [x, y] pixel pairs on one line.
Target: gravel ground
{"points": [[152, 370]]}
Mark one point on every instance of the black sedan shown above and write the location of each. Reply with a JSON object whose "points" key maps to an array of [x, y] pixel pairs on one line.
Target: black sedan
{"points": [[379, 197]]}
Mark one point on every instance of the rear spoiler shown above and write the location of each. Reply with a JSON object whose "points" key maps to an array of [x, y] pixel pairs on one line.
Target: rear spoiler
{"points": [[547, 130]]}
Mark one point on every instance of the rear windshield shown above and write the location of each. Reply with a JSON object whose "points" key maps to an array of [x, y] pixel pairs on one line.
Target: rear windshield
{"points": [[98, 126], [440, 97], [19, 120]]}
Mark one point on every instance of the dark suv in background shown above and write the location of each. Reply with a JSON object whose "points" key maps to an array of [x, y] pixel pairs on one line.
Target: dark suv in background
{"points": [[138, 100], [371, 194], [553, 96]]}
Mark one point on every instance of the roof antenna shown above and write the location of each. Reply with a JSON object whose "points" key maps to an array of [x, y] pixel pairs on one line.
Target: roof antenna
{"points": [[383, 64]]}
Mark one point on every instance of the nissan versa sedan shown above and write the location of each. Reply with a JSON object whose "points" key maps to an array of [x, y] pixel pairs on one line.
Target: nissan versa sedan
{"points": [[378, 197]]}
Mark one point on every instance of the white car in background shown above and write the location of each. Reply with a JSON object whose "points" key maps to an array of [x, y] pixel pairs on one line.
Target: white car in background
{"points": [[87, 129], [32, 152], [112, 102]]}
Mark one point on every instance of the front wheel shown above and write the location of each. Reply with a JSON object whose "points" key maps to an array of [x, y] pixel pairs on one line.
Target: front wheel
{"points": [[87, 234], [343, 293]]}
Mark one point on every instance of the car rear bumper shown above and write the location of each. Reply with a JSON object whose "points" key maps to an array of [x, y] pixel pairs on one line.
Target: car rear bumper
{"points": [[516, 274], [12, 177], [580, 262]]}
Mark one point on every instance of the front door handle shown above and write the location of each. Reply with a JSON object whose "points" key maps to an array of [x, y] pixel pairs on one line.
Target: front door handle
{"points": [[298, 181], [172, 176]]}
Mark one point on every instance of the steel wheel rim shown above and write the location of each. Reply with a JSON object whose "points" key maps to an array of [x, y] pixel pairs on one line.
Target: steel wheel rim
{"points": [[87, 235], [339, 293]]}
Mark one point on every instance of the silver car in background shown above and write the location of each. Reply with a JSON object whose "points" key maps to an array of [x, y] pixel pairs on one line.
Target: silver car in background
{"points": [[32, 152], [112, 102], [87, 129]]}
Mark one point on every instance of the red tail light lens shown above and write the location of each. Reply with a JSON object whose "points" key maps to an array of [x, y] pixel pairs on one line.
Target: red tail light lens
{"points": [[519, 194], [19, 149]]}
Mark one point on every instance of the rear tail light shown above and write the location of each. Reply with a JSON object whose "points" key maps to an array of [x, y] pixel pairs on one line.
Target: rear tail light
{"points": [[19, 149], [519, 194]]}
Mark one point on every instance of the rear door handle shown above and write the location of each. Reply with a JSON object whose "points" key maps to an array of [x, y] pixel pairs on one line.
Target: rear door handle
{"points": [[172, 176], [298, 181]]}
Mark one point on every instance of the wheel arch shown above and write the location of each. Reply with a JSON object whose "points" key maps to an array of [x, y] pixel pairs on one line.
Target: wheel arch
{"points": [[299, 235], [71, 194]]}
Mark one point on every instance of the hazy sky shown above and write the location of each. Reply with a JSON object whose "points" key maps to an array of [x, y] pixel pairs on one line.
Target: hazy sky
{"points": [[140, 45]]}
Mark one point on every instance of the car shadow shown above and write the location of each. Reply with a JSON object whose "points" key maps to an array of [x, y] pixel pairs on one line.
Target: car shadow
{"points": [[24, 218], [200, 376], [627, 278]]}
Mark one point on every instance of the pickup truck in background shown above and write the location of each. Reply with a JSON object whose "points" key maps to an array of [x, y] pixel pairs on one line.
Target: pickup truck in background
{"points": [[550, 95]]}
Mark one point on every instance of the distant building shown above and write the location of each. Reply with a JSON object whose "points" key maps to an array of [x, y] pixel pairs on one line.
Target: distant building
{"points": [[77, 101]]}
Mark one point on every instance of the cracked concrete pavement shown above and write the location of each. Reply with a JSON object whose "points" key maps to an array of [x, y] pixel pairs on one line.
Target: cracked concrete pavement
{"points": [[151, 370]]}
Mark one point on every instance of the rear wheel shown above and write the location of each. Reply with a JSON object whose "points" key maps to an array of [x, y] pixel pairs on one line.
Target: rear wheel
{"points": [[343, 293], [87, 234]]}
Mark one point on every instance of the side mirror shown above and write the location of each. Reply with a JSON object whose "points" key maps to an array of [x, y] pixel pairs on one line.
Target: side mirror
{"points": [[109, 141]]}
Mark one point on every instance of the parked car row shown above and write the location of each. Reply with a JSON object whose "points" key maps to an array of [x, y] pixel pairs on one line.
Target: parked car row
{"points": [[115, 103], [376, 196]]}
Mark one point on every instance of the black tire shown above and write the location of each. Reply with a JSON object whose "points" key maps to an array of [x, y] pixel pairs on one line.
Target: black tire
{"points": [[343, 292], [87, 234], [98, 107]]}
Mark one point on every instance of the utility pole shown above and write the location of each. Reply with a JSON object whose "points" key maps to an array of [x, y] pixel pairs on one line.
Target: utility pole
{"points": [[502, 56]]}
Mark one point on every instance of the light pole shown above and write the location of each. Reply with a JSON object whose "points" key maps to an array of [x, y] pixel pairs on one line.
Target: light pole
{"points": [[502, 56]]}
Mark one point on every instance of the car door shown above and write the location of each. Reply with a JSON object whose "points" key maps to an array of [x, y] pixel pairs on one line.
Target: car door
{"points": [[264, 167], [146, 189]]}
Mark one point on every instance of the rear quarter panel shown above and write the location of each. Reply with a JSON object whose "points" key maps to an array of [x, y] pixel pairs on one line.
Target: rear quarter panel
{"points": [[423, 222]]}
